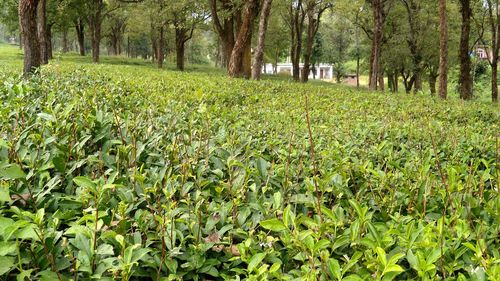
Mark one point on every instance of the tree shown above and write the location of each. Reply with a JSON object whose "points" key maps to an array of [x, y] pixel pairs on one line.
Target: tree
{"points": [[97, 10], [28, 24], [224, 14], [295, 21], [314, 11], [237, 64], [259, 53], [465, 77], [185, 16], [443, 50], [42, 31], [493, 21], [380, 10]]}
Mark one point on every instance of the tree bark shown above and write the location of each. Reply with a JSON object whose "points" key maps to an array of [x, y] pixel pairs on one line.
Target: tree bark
{"points": [[180, 47], [235, 68], [27, 18], [259, 52], [42, 31], [65, 42], [443, 50], [465, 78], [297, 18], [378, 31], [50, 54], [225, 28], [161, 47], [95, 24], [80, 34], [494, 21]]}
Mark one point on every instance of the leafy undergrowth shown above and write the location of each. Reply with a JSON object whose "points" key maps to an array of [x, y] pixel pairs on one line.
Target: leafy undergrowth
{"points": [[114, 172]]}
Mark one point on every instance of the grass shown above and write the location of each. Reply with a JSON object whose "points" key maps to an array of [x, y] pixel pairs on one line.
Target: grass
{"points": [[118, 171]]}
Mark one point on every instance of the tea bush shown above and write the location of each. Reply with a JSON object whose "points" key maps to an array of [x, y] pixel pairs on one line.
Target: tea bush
{"points": [[116, 172]]}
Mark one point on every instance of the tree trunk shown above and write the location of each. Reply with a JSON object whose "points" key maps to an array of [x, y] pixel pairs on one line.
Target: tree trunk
{"points": [[225, 29], [376, 50], [432, 83], [20, 41], [443, 50], [465, 78], [161, 47], [42, 31], [80, 34], [65, 43], [50, 54], [357, 69], [259, 52], [309, 47], [27, 19], [95, 24], [244, 36], [297, 18], [180, 46], [494, 79]]}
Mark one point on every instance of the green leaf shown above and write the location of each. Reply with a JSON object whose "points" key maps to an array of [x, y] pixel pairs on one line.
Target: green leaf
{"points": [[255, 260], [381, 256], [12, 172], [334, 267], [6, 264], [4, 194], [84, 182], [273, 225], [274, 267], [321, 244], [7, 248], [393, 268]]}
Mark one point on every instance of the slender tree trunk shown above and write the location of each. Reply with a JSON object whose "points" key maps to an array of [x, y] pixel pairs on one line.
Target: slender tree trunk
{"points": [[494, 79], [161, 47], [244, 36], [443, 50], [96, 41], [465, 78], [42, 31], [357, 69], [27, 19], [259, 52], [297, 18], [80, 34], [309, 48], [20, 41], [50, 54], [65, 43], [432, 83], [376, 51], [180, 46]]}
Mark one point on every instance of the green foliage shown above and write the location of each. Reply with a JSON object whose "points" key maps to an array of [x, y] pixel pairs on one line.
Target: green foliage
{"points": [[119, 172]]}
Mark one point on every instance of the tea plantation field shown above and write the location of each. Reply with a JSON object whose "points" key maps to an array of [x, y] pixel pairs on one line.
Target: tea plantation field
{"points": [[132, 173]]}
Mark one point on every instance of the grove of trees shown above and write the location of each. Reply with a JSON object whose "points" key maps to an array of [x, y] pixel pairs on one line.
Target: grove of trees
{"points": [[413, 42]]}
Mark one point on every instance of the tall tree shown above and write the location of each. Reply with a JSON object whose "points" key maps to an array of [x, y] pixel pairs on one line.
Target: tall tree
{"points": [[237, 65], [493, 18], [96, 11], [259, 51], [380, 10], [296, 20], [28, 23], [185, 16], [223, 17], [314, 11], [42, 31], [465, 77], [443, 50]]}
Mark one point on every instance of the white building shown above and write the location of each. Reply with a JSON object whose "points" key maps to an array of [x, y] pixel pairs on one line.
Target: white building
{"points": [[323, 71]]}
